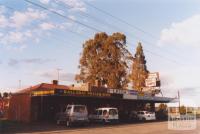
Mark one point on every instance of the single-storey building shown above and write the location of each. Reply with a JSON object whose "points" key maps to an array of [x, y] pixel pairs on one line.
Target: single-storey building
{"points": [[43, 101]]}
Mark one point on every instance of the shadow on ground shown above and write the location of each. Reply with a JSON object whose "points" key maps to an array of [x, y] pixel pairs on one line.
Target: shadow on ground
{"points": [[17, 127]]}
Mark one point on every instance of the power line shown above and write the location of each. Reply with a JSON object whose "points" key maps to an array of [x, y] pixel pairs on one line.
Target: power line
{"points": [[121, 20], [174, 61], [115, 27], [84, 14], [132, 26], [55, 37], [63, 16], [158, 55], [78, 22]]}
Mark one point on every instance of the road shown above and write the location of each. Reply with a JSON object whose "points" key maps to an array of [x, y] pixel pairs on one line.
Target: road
{"points": [[141, 128]]}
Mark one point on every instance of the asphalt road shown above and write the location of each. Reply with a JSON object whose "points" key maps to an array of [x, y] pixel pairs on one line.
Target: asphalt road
{"points": [[136, 128]]}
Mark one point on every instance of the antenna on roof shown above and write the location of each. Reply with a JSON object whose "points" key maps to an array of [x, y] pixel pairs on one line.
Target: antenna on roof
{"points": [[58, 73]]}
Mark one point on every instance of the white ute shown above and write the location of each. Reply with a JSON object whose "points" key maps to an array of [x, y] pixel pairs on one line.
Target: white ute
{"points": [[105, 115], [73, 114]]}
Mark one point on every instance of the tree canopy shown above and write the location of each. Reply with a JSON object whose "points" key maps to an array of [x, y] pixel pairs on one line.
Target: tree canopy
{"points": [[105, 58], [139, 69]]}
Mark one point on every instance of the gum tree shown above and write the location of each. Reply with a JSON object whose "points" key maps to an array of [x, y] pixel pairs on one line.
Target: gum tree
{"points": [[105, 57]]}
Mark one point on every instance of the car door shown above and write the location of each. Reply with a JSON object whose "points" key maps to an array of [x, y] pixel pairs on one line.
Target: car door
{"points": [[100, 115], [113, 114]]}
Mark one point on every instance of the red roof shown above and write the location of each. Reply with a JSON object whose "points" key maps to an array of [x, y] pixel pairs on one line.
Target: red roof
{"points": [[43, 86]]}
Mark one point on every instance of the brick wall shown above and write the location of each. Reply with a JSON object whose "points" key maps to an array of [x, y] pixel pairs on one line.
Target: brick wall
{"points": [[20, 108]]}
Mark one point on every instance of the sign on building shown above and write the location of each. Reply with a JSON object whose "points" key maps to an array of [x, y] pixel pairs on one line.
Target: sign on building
{"points": [[152, 80]]}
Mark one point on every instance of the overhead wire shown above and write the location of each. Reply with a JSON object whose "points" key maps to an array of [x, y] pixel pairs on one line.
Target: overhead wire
{"points": [[85, 25]]}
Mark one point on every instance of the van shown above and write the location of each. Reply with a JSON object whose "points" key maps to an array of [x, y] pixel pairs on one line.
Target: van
{"points": [[105, 115], [72, 115]]}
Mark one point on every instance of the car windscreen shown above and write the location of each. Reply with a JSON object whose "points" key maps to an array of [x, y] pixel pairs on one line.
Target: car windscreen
{"points": [[68, 108], [100, 112], [112, 112], [140, 113], [79, 109]]}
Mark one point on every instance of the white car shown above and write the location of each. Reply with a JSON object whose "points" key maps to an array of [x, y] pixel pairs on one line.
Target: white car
{"points": [[145, 115], [73, 114], [105, 115]]}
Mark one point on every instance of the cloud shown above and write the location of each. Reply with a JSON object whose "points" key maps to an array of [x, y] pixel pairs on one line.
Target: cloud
{"points": [[47, 26], [75, 5], [20, 19], [72, 17], [3, 21], [45, 1], [2, 9], [14, 62], [15, 37], [185, 32], [52, 74], [65, 25], [18, 27]]}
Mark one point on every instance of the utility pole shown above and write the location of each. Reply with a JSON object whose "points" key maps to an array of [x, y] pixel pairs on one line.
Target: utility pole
{"points": [[58, 73], [19, 84], [179, 103]]}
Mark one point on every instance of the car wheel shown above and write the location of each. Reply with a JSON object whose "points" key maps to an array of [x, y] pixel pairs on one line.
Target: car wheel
{"points": [[104, 121], [143, 119]]}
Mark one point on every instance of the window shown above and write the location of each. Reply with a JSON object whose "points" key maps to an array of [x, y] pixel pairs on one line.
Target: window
{"points": [[79, 109], [68, 108], [100, 112], [105, 112], [113, 112]]}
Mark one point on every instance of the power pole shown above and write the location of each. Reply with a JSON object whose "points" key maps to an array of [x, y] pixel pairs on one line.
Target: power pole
{"points": [[19, 84], [179, 103], [58, 73]]}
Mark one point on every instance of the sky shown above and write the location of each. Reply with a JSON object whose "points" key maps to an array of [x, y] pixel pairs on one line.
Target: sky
{"points": [[35, 43]]}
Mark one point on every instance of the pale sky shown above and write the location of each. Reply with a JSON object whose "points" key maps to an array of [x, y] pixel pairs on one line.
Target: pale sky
{"points": [[35, 42]]}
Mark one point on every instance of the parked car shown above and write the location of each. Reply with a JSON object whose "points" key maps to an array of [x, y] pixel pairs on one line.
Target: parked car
{"points": [[105, 115], [145, 115], [73, 114]]}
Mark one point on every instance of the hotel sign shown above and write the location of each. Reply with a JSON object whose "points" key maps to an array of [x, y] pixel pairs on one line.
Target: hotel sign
{"points": [[85, 93], [70, 93], [42, 92]]}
